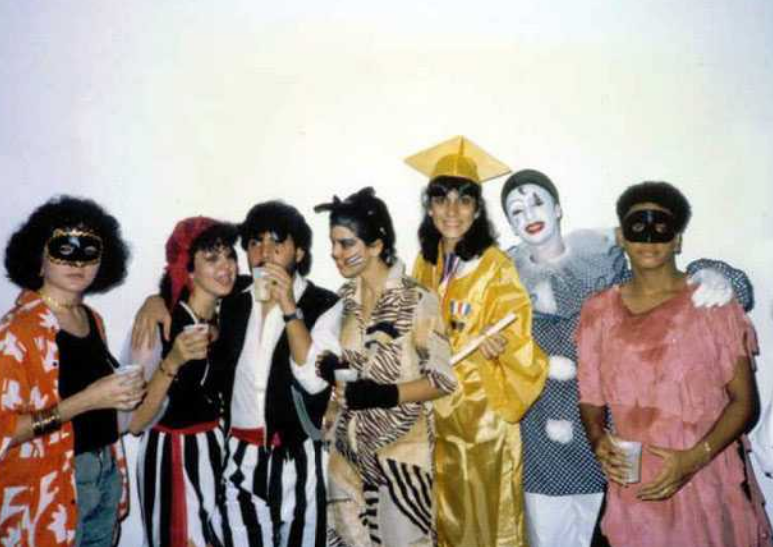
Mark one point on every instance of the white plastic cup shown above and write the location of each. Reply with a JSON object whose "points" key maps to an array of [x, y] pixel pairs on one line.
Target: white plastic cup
{"points": [[632, 450], [346, 375], [260, 284], [197, 328], [131, 369]]}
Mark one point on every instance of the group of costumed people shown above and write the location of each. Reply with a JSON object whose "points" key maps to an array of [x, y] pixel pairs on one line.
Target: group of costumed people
{"points": [[484, 400]]}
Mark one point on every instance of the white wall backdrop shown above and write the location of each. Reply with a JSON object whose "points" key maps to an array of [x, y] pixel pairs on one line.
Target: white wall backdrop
{"points": [[160, 110]]}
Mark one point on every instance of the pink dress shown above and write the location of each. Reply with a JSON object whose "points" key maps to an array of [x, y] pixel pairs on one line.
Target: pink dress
{"points": [[662, 374]]}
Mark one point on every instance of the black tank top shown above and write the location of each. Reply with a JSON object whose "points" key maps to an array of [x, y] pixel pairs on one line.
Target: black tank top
{"points": [[81, 362], [194, 396]]}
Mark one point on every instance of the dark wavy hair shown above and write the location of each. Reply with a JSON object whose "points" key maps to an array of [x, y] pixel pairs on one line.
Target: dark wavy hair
{"points": [[24, 253], [661, 193], [283, 219], [368, 217], [222, 234], [476, 240]]}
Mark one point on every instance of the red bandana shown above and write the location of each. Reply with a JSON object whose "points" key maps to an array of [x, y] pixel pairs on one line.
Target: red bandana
{"points": [[178, 252]]}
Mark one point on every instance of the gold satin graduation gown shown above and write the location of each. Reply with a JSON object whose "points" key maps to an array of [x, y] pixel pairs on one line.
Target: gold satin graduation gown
{"points": [[478, 460]]}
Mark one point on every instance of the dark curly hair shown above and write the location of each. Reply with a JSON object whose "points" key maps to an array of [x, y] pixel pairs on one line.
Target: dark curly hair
{"points": [[283, 219], [222, 234], [661, 193], [368, 217], [24, 253], [476, 240]]}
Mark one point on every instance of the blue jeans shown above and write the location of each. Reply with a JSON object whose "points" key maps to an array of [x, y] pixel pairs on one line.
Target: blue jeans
{"points": [[98, 484]]}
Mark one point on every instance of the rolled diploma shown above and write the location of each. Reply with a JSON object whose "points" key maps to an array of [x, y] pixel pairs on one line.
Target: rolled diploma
{"points": [[473, 344]]}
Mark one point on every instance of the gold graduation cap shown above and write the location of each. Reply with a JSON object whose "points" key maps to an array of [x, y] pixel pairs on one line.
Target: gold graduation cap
{"points": [[458, 157]]}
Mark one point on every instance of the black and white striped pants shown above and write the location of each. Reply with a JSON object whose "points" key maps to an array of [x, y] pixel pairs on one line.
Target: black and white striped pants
{"points": [[178, 475], [273, 496]]}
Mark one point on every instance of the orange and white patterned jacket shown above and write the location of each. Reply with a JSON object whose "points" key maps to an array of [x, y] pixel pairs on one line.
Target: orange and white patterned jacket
{"points": [[37, 477]]}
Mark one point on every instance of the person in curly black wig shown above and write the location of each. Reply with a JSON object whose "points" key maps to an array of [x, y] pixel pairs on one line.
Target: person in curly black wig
{"points": [[660, 193], [58, 381], [481, 234], [24, 253], [281, 220]]}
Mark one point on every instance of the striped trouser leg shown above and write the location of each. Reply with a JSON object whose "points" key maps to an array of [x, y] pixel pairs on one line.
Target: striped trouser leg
{"points": [[243, 518], [303, 514], [406, 505], [272, 497], [396, 509], [202, 465]]}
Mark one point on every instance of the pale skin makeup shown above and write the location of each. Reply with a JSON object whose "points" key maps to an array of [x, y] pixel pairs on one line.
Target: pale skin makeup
{"points": [[213, 277], [656, 279], [535, 218], [453, 216], [63, 288], [373, 272]]}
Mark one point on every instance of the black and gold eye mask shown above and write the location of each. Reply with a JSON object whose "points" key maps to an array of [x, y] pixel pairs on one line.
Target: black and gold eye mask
{"points": [[74, 247]]}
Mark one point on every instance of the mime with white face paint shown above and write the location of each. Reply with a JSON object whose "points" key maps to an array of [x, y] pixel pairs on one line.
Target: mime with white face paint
{"points": [[563, 482]]}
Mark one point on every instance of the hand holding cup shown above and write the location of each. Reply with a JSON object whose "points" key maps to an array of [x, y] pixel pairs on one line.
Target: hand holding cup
{"points": [[260, 284], [614, 461], [190, 345], [122, 391], [280, 285], [678, 468]]}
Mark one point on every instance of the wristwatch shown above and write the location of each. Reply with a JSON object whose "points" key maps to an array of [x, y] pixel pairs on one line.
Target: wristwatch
{"points": [[297, 314]]}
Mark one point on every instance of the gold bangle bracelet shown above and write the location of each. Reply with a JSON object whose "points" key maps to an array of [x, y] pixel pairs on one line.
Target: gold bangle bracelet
{"points": [[46, 421], [706, 452]]}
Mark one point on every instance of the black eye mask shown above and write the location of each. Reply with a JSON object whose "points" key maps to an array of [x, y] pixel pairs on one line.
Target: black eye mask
{"points": [[649, 226], [74, 247]]}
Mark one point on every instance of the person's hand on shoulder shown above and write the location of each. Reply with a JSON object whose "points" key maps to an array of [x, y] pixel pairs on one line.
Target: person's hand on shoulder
{"points": [[152, 313]]}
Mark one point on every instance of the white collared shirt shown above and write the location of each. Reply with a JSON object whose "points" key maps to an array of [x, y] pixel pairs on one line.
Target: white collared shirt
{"points": [[248, 410]]}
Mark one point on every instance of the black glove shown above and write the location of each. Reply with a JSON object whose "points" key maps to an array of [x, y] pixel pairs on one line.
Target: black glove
{"points": [[364, 394], [327, 364]]}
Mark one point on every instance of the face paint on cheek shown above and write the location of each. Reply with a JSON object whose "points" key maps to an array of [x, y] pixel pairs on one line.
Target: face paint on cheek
{"points": [[649, 226], [354, 260]]}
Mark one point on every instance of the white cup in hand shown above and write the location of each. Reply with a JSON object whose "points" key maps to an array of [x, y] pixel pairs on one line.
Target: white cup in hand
{"points": [[132, 369], [260, 284], [632, 450], [346, 375], [196, 328]]}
